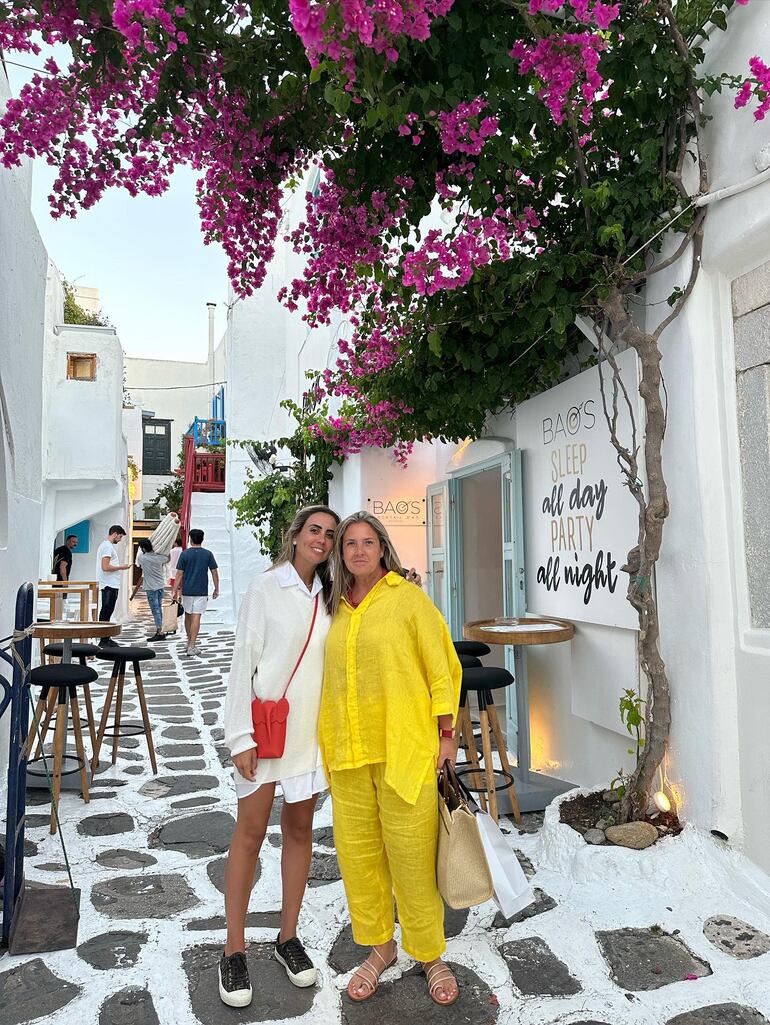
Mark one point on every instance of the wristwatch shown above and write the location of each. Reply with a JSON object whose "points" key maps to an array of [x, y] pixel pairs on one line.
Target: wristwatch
{"points": [[447, 734]]}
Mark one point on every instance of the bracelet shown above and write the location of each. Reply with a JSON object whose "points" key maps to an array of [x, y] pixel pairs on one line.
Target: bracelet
{"points": [[447, 734]]}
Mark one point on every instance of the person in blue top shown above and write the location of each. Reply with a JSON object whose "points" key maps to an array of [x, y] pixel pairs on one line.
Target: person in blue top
{"points": [[192, 583]]}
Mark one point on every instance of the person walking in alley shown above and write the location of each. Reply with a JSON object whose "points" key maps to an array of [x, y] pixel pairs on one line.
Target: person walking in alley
{"points": [[388, 708], [62, 558], [176, 551], [153, 566], [108, 570], [192, 582], [279, 646]]}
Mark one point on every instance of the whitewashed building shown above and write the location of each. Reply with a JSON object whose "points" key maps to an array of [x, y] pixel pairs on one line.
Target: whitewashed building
{"points": [[472, 517], [23, 270]]}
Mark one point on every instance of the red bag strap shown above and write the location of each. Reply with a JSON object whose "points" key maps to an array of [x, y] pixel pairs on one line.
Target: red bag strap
{"points": [[302, 653]]}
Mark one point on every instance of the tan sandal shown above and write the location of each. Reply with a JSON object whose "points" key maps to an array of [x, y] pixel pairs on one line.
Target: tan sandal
{"points": [[368, 974], [436, 974]]}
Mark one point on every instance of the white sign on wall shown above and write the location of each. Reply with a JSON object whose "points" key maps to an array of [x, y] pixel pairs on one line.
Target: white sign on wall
{"points": [[579, 519]]}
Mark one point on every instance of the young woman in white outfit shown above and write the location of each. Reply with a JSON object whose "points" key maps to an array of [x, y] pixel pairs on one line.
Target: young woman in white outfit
{"points": [[273, 626]]}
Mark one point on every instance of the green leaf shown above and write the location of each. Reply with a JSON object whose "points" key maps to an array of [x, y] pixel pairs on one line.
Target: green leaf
{"points": [[434, 342]]}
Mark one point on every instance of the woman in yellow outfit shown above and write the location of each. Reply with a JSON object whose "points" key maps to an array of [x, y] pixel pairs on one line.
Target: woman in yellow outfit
{"points": [[390, 697]]}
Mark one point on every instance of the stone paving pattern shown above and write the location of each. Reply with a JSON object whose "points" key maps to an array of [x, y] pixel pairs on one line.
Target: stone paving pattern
{"points": [[149, 854]]}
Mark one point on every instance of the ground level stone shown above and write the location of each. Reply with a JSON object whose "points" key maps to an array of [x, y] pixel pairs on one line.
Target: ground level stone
{"points": [[644, 959], [130, 1006], [539, 906], [106, 825], [216, 873], [406, 1000], [31, 991], [324, 869], [254, 920], [536, 970], [736, 938], [274, 996], [720, 1014], [176, 786], [197, 836], [121, 858], [113, 950], [145, 896], [181, 733]]}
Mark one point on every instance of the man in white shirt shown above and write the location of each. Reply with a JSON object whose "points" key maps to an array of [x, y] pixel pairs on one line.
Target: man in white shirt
{"points": [[108, 570]]}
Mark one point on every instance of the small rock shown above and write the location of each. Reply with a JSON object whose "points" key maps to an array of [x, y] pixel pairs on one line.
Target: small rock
{"points": [[594, 836], [636, 835], [602, 824], [610, 797]]}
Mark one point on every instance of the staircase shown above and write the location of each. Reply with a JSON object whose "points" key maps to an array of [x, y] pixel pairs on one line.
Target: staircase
{"points": [[208, 512]]}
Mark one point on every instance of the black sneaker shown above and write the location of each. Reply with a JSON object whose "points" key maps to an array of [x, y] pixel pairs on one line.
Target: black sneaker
{"points": [[157, 637], [234, 982], [299, 967], [107, 642]]}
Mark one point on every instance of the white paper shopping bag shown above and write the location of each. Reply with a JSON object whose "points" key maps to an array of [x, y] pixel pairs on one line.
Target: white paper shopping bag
{"points": [[512, 889]]}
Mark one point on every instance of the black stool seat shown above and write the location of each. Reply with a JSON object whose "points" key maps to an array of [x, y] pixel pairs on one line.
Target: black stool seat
{"points": [[470, 662], [122, 653], [63, 675], [78, 650], [477, 648], [486, 678]]}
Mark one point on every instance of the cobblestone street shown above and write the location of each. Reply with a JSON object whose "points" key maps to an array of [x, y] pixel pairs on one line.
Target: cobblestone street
{"points": [[677, 934]]}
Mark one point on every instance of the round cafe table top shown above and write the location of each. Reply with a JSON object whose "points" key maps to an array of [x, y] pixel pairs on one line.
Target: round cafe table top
{"points": [[70, 629], [520, 630]]}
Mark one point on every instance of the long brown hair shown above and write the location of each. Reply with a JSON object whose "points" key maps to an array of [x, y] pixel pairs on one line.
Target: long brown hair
{"points": [[341, 577], [286, 553]]}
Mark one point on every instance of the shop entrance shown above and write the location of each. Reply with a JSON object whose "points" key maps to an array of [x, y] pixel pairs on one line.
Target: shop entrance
{"points": [[476, 571], [475, 562]]}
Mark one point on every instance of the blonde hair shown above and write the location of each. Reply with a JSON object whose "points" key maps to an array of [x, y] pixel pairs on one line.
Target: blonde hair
{"points": [[286, 553], [341, 576]]}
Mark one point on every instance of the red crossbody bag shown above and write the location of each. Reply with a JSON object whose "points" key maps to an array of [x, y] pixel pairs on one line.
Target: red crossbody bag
{"points": [[268, 718]]}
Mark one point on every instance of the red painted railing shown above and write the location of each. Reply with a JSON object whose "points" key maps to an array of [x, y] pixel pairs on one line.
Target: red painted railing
{"points": [[203, 471]]}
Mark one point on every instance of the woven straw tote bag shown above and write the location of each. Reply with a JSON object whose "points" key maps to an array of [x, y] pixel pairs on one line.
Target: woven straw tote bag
{"points": [[462, 872]]}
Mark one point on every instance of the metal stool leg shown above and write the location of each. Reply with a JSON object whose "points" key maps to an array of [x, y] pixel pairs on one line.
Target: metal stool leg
{"points": [[145, 718], [104, 717], [489, 768], [118, 709], [466, 732], [60, 736], [79, 751], [500, 742]]}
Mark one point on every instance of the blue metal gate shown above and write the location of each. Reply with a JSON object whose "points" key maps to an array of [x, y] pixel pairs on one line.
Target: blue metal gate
{"points": [[18, 655]]}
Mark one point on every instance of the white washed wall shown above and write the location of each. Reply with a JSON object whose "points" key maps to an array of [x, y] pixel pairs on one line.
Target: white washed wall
{"points": [[23, 265]]}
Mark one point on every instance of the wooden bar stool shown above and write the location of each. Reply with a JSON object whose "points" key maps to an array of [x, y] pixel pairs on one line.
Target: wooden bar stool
{"points": [[60, 681], [120, 656], [81, 652], [482, 680]]}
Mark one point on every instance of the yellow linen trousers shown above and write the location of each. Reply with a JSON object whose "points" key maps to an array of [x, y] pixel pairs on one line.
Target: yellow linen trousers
{"points": [[386, 846]]}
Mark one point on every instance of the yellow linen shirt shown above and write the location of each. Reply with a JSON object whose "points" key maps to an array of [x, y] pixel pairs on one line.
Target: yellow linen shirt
{"points": [[390, 670]]}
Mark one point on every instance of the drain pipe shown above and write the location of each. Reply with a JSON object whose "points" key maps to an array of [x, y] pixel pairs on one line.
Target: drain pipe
{"points": [[762, 164]]}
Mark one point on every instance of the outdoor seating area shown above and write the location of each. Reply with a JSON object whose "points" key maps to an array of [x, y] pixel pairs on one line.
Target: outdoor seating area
{"points": [[147, 855]]}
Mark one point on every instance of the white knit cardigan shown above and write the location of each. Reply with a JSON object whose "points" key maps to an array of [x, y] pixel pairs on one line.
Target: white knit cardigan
{"points": [[273, 625]]}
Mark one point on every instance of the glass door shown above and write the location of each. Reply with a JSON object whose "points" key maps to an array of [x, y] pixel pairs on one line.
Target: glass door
{"points": [[476, 565], [438, 578]]}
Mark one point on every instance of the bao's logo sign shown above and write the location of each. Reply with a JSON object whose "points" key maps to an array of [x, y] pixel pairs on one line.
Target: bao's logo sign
{"points": [[398, 511]]}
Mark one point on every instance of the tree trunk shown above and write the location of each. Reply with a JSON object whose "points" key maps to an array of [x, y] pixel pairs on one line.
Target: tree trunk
{"points": [[643, 558]]}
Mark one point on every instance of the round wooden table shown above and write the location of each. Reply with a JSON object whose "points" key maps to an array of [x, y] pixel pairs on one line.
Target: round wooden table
{"points": [[515, 631], [520, 630], [68, 631]]}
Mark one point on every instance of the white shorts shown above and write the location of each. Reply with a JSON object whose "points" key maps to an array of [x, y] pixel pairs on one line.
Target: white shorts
{"points": [[194, 604], [295, 788]]}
